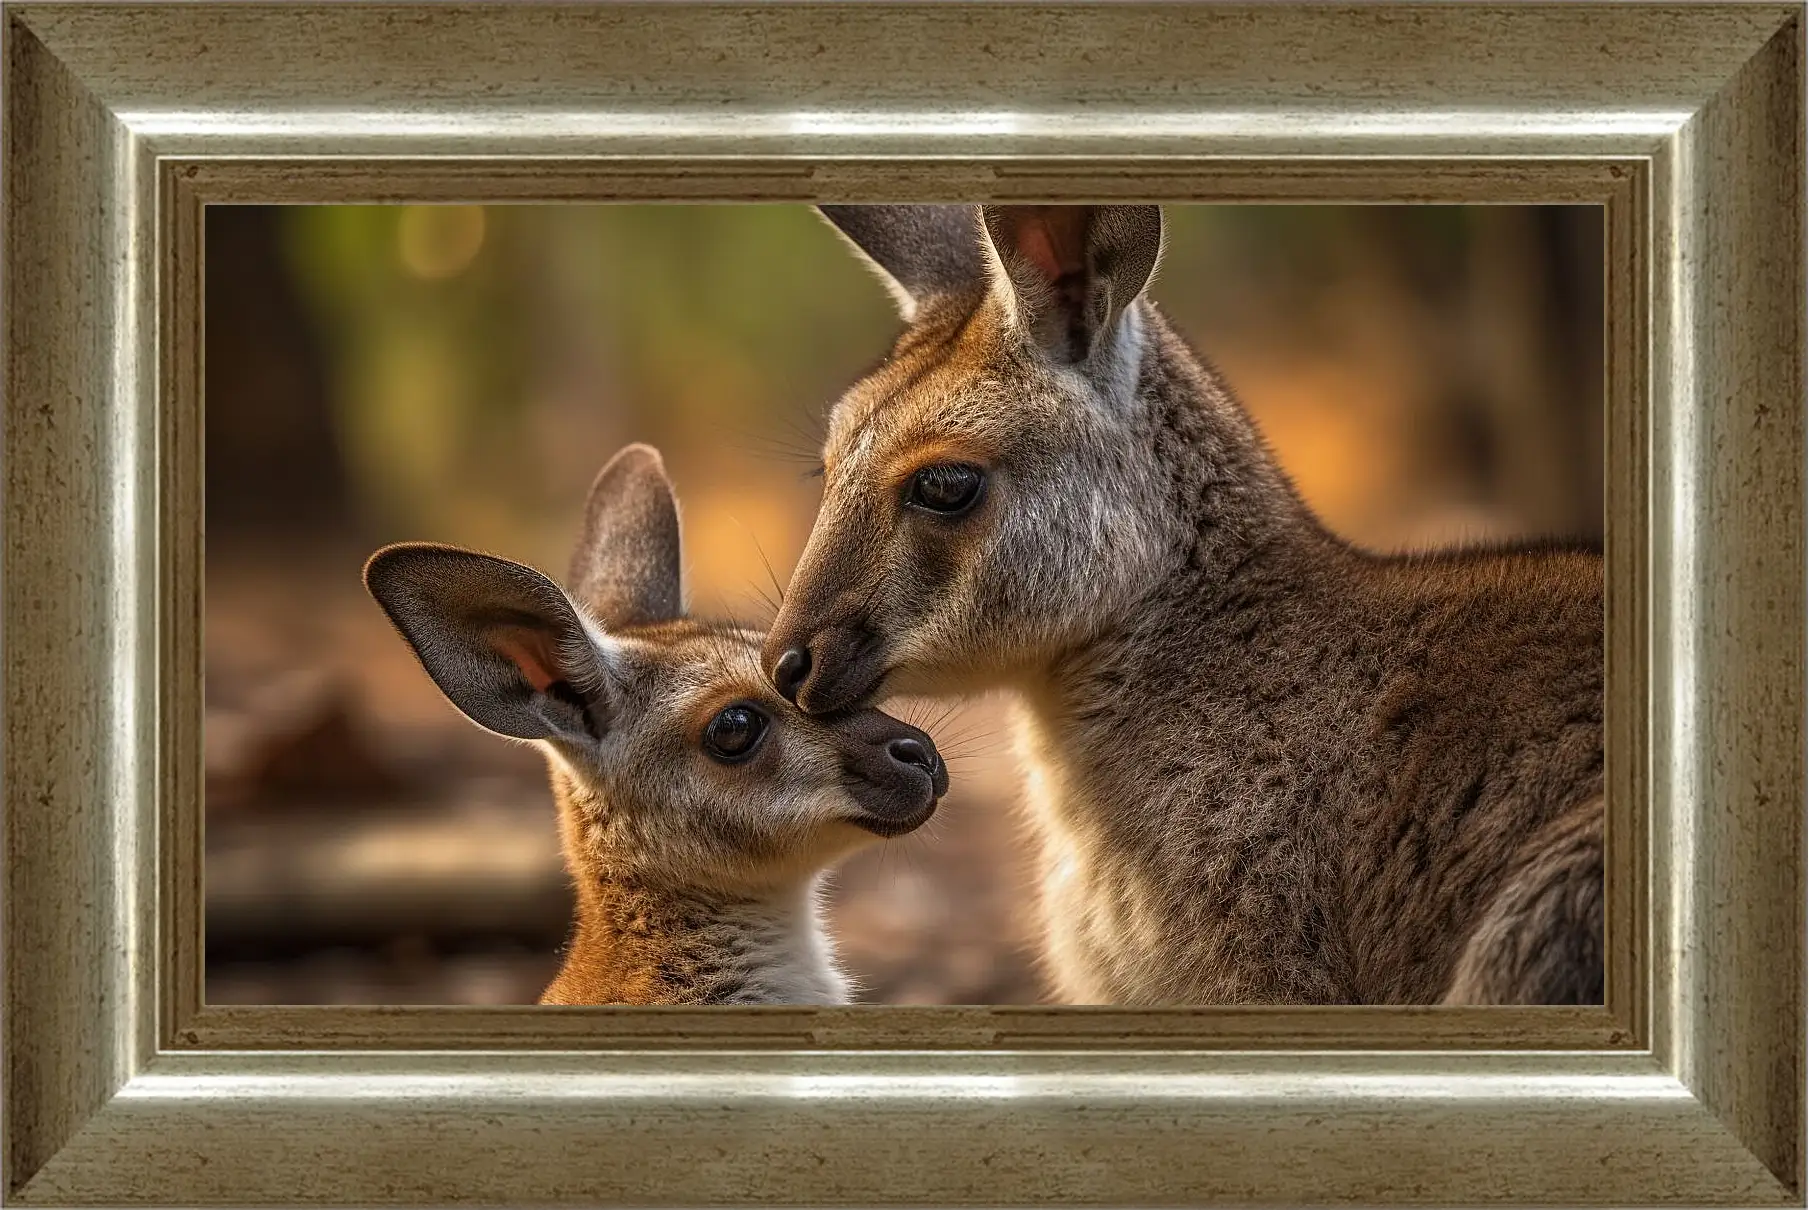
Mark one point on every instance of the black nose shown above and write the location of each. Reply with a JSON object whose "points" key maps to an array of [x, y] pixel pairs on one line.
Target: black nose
{"points": [[908, 751], [790, 671]]}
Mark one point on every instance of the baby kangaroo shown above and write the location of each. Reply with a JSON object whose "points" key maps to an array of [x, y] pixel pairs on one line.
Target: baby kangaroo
{"points": [[698, 810], [1263, 766]]}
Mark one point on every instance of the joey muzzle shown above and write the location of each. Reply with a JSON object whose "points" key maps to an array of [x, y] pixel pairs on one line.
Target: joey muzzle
{"points": [[893, 773]]}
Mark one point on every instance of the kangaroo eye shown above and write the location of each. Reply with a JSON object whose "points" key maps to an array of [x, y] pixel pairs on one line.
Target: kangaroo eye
{"points": [[734, 733], [946, 487]]}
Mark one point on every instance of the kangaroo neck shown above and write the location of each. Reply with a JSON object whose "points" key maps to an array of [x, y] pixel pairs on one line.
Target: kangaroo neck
{"points": [[1244, 566], [1225, 498], [638, 943], [1232, 532]]}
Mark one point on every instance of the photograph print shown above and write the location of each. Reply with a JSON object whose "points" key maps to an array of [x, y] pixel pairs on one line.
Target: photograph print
{"points": [[904, 604]]}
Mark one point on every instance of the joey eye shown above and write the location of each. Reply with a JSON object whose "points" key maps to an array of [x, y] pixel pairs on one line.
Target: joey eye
{"points": [[734, 733], [948, 488]]}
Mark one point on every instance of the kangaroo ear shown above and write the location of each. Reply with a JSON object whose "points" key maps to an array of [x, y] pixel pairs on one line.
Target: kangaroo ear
{"points": [[501, 640], [628, 568], [921, 253], [1070, 271]]}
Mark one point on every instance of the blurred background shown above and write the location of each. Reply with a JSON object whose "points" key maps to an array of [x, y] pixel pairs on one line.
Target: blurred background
{"points": [[458, 374]]}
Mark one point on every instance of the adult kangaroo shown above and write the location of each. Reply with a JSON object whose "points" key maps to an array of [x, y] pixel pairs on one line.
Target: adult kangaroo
{"points": [[1262, 766]]}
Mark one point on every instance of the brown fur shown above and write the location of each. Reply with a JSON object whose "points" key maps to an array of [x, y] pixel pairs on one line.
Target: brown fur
{"points": [[1263, 766], [696, 883]]}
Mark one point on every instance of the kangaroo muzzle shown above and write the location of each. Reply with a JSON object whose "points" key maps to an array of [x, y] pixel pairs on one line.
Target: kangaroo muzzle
{"points": [[820, 672]]}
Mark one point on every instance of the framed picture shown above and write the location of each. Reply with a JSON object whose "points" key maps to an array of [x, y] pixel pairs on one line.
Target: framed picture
{"points": [[272, 936]]}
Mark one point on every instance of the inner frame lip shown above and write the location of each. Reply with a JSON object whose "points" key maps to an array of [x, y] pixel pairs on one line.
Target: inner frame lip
{"points": [[1618, 183]]}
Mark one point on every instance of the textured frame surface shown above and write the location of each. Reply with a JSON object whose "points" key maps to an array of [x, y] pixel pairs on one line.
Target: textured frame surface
{"points": [[1684, 122]]}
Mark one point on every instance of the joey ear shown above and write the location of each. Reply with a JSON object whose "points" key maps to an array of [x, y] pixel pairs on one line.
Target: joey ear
{"points": [[1070, 271], [628, 568], [922, 253], [501, 640]]}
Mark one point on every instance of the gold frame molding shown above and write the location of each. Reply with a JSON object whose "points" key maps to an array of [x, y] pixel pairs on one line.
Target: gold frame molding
{"points": [[1684, 122]]}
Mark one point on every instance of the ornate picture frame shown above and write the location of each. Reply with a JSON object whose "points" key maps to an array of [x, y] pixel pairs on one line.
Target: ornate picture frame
{"points": [[1684, 122]]}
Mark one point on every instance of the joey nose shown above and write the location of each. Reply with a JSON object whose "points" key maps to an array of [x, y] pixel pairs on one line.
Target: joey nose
{"points": [[790, 672], [918, 753]]}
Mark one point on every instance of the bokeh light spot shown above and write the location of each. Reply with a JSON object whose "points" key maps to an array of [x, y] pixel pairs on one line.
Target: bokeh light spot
{"points": [[438, 242]]}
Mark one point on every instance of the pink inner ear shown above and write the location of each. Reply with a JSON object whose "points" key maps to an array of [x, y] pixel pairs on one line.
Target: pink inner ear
{"points": [[1052, 238], [1033, 242], [529, 652]]}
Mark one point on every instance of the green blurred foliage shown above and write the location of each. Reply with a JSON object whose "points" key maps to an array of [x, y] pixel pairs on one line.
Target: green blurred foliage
{"points": [[735, 319], [483, 362]]}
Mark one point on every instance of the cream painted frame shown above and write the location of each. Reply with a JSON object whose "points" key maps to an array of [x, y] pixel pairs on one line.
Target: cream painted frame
{"points": [[1685, 122]]}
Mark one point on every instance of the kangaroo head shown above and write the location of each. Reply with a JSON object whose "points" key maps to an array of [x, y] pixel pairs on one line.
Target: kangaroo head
{"points": [[993, 488], [673, 761]]}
